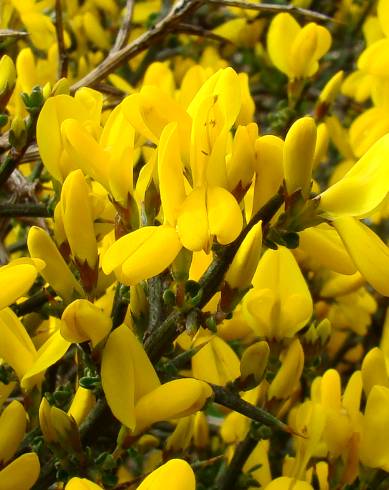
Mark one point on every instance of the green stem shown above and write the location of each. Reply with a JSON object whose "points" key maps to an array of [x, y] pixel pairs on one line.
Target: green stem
{"points": [[233, 401], [30, 210]]}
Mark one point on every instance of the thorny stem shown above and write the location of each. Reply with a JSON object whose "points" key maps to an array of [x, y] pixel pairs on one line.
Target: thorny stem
{"points": [[242, 452], [125, 28], [62, 55], [28, 209], [156, 344]]}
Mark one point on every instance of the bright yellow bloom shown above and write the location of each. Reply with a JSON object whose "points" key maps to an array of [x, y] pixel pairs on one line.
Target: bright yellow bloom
{"points": [[280, 303], [294, 50]]}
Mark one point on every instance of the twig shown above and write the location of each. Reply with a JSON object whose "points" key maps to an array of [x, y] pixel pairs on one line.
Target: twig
{"points": [[155, 303], [12, 33], [28, 209], [125, 28], [242, 452], [201, 32], [178, 12], [120, 305], [233, 401], [62, 54], [271, 8]]}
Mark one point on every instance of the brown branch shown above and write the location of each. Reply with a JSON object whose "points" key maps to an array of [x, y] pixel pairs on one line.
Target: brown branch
{"points": [[125, 28], [271, 8], [201, 32], [12, 33], [62, 54], [178, 12]]}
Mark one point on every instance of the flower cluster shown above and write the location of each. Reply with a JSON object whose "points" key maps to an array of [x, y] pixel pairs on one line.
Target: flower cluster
{"points": [[193, 213]]}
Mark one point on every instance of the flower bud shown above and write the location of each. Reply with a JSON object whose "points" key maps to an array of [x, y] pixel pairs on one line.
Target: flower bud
{"points": [[299, 150], [81, 484], [7, 80], [253, 364], [200, 430], [244, 264], [78, 219], [12, 428]]}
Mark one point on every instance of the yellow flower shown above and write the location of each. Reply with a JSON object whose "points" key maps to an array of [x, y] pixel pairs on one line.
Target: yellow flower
{"points": [[82, 321], [294, 50], [280, 303]]}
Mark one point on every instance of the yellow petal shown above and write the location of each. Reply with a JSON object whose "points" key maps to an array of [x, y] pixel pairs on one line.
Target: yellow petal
{"points": [[117, 376], [50, 352], [324, 245], [216, 362], [282, 32], [85, 151], [224, 215], [170, 173], [369, 253], [363, 188], [56, 272], [192, 222], [174, 399], [16, 347], [15, 281], [375, 430], [83, 402], [287, 483], [48, 130], [176, 474], [82, 320], [139, 253], [146, 378], [81, 484], [13, 423], [299, 150], [21, 473], [77, 216], [383, 15], [268, 166], [374, 370]]}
